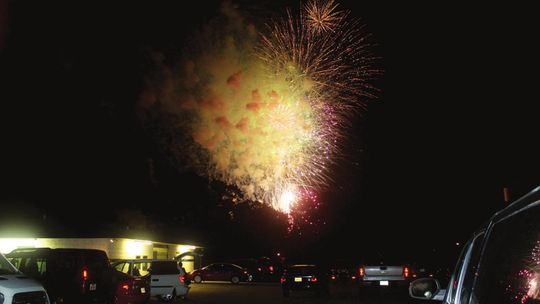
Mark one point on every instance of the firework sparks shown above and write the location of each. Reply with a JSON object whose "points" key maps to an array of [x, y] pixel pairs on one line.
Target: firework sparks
{"points": [[264, 110], [323, 16]]}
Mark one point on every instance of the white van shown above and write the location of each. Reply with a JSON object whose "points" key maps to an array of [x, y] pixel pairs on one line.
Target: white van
{"points": [[18, 288], [167, 281]]}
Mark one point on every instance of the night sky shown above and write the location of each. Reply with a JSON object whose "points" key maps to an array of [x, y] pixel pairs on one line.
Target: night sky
{"points": [[455, 121]]}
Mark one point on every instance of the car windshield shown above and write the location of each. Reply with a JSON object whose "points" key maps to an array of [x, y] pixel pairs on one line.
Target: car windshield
{"points": [[302, 270], [6, 267]]}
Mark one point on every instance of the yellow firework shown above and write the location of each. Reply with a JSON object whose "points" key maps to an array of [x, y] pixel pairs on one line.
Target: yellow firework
{"points": [[264, 111]]}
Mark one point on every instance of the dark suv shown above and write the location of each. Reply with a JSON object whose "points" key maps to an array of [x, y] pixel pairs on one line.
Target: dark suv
{"points": [[70, 276], [499, 265], [305, 277]]}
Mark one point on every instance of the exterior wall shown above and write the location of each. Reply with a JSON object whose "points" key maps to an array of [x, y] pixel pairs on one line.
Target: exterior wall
{"points": [[86, 243], [117, 248]]}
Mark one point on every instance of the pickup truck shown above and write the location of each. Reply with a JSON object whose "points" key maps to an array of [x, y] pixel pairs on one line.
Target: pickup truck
{"points": [[383, 273]]}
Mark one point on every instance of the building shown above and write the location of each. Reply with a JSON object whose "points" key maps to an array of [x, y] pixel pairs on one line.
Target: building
{"points": [[116, 248]]}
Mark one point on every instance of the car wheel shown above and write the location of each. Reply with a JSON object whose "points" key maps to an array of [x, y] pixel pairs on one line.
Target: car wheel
{"points": [[169, 297], [235, 280], [58, 300], [197, 279], [286, 293]]}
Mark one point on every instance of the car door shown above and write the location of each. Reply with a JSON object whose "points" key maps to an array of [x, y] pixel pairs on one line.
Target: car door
{"points": [[211, 272], [509, 269], [164, 277], [123, 267], [227, 272]]}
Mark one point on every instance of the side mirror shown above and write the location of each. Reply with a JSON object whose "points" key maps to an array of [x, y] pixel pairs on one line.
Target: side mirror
{"points": [[425, 289]]}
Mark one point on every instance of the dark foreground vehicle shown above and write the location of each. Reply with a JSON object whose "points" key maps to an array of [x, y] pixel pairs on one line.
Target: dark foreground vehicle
{"points": [[131, 290], [304, 277], [70, 276], [499, 265]]}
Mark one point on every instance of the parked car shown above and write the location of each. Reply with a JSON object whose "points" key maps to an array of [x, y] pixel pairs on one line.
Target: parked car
{"points": [[262, 269], [343, 275], [304, 277], [499, 264], [167, 281], [130, 289], [18, 288], [221, 272], [383, 272], [77, 276]]}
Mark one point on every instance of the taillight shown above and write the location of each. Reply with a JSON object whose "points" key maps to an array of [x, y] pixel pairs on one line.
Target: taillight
{"points": [[283, 279], [271, 268], [353, 277], [406, 272], [85, 275], [313, 279], [333, 277], [124, 287], [361, 272], [181, 278]]}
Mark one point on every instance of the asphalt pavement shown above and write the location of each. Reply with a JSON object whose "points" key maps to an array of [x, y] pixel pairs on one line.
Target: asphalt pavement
{"points": [[270, 293]]}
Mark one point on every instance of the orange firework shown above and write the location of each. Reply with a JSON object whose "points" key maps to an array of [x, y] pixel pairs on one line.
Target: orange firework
{"points": [[322, 16]]}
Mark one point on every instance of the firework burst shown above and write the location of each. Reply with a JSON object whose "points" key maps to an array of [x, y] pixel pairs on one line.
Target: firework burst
{"points": [[264, 110], [323, 16]]}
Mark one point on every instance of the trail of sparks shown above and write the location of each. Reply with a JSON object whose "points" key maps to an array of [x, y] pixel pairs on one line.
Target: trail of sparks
{"points": [[264, 111]]}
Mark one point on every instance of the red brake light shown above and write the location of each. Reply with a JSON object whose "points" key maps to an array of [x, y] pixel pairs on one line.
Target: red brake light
{"points": [[333, 277], [181, 278], [353, 277], [313, 279], [124, 287], [85, 274], [406, 272], [361, 272], [283, 279], [271, 268]]}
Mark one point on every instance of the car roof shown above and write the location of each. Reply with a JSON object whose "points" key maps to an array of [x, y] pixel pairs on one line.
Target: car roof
{"points": [[303, 265], [51, 250], [232, 264], [144, 260]]}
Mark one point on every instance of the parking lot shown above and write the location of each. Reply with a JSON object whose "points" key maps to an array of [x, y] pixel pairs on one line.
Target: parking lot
{"points": [[266, 293]]}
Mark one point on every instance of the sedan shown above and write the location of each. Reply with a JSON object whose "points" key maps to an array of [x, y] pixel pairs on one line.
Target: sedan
{"points": [[221, 272]]}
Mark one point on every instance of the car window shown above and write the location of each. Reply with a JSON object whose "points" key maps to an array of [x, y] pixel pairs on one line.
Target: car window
{"points": [[302, 271], [451, 290], [230, 268], [16, 261], [510, 268], [123, 267], [471, 267], [213, 267], [6, 267], [141, 267], [164, 267]]}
